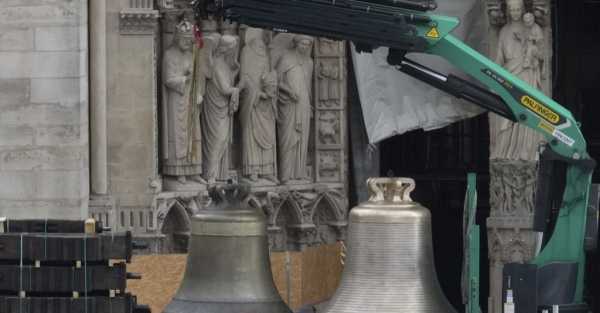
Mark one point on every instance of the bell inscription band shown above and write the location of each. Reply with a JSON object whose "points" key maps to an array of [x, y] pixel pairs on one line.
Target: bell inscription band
{"points": [[228, 268], [389, 265]]}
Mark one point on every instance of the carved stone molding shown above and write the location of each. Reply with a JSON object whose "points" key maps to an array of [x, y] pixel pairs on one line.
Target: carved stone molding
{"points": [[330, 110], [296, 217], [512, 187], [303, 217], [138, 21]]}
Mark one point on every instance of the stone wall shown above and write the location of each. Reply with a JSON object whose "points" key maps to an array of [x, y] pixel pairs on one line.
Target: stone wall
{"points": [[43, 109]]}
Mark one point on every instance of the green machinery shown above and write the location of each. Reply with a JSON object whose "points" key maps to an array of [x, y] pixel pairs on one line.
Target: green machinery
{"points": [[407, 27]]}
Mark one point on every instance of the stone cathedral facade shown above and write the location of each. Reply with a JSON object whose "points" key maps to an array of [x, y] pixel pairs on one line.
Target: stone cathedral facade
{"points": [[121, 110], [239, 105]]}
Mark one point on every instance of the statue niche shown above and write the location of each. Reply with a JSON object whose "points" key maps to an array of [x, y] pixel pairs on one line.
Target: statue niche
{"points": [[182, 103]]}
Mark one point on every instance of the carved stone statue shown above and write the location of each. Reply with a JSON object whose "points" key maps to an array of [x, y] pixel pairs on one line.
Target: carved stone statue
{"points": [[258, 109], [519, 51], [221, 102], [295, 72], [522, 48], [329, 76], [183, 96]]}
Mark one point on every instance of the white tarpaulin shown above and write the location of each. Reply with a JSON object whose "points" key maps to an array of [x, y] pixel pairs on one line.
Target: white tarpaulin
{"points": [[394, 103]]}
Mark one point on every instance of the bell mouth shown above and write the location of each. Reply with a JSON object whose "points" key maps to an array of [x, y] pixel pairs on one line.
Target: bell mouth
{"points": [[187, 306]]}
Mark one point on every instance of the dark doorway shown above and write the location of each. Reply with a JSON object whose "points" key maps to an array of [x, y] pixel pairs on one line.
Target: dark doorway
{"points": [[577, 79], [439, 162]]}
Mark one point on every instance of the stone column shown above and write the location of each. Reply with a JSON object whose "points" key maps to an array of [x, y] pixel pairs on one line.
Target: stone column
{"points": [[519, 39], [44, 109], [98, 67]]}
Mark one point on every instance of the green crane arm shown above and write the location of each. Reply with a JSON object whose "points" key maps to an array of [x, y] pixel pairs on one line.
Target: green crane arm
{"points": [[539, 112]]}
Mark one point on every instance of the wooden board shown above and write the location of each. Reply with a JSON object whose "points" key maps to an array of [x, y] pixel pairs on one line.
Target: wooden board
{"points": [[302, 278]]}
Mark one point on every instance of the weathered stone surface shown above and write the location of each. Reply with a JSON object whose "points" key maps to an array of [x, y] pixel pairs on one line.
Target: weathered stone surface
{"points": [[46, 158], [55, 90], [41, 13], [131, 128], [15, 64], [129, 186], [56, 64], [57, 38], [19, 209], [16, 39], [15, 135], [13, 92], [41, 64], [129, 167], [63, 135], [41, 115], [17, 185], [43, 109], [58, 185]]}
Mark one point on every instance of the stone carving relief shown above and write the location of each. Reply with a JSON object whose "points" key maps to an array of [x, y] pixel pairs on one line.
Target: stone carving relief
{"points": [[329, 91], [329, 127], [328, 47], [255, 107], [329, 165], [512, 186]]}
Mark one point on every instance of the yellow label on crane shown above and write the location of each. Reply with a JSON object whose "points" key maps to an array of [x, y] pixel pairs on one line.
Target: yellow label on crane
{"points": [[540, 109], [433, 33]]}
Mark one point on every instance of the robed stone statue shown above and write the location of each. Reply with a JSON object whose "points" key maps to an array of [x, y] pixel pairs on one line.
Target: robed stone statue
{"points": [[220, 103], [183, 89], [258, 109], [519, 51], [295, 74]]}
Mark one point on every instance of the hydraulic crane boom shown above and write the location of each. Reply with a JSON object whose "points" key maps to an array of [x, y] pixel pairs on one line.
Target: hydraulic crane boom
{"points": [[405, 27]]}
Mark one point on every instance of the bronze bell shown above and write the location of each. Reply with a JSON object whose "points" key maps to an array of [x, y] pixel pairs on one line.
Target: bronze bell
{"points": [[228, 268], [389, 264]]}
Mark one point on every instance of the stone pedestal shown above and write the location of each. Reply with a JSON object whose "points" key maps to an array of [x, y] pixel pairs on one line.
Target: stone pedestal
{"points": [[510, 235], [44, 159]]}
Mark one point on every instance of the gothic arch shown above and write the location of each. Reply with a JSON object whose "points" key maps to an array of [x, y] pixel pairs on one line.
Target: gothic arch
{"points": [[329, 202], [291, 210], [175, 224]]}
